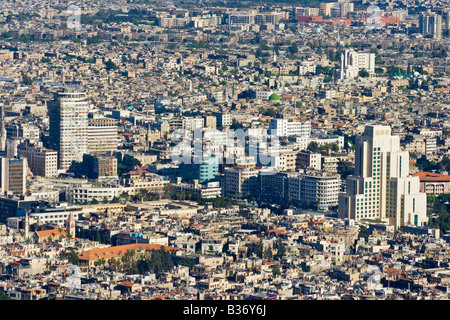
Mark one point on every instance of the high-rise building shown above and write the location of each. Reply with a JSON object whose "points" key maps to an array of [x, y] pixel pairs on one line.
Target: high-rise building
{"points": [[13, 175], [431, 25], [102, 134], [381, 187], [353, 62], [68, 114], [2, 129]]}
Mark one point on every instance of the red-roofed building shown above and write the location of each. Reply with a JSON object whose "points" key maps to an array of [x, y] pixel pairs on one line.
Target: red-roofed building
{"points": [[433, 183]]}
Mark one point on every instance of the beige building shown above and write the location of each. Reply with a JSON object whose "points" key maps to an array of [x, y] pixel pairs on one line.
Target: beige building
{"points": [[102, 134], [41, 161], [241, 181], [381, 187], [13, 175]]}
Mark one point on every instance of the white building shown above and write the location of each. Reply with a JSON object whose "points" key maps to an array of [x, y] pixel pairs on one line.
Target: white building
{"points": [[68, 114], [381, 187], [286, 128], [353, 62], [306, 67], [263, 94], [321, 189]]}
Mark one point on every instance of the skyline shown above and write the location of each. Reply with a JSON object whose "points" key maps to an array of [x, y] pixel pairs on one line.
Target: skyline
{"points": [[233, 151]]}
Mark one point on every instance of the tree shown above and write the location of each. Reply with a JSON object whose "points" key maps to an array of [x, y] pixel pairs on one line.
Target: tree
{"points": [[109, 65], [431, 199], [293, 49], [363, 73], [4, 296], [281, 249], [313, 146], [363, 232], [276, 270], [267, 254], [27, 80], [344, 169]]}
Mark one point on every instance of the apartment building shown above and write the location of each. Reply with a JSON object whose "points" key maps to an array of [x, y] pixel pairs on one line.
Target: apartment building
{"points": [[241, 182], [288, 127], [41, 161], [13, 175], [102, 134]]}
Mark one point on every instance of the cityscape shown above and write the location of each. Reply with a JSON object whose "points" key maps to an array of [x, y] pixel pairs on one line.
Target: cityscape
{"points": [[206, 150]]}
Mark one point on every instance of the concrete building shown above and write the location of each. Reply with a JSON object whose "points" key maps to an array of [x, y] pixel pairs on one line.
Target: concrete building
{"points": [[433, 183], [381, 187], [13, 175], [287, 127], [41, 161], [102, 134], [68, 113], [241, 182], [100, 166], [353, 62], [431, 25], [309, 160], [321, 189]]}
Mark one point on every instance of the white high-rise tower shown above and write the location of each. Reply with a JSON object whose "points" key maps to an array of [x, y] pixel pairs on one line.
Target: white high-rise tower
{"points": [[68, 114], [381, 187]]}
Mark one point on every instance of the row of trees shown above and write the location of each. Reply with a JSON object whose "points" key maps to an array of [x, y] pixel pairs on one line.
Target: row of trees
{"points": [[440, 207], [315, 147], [266, 253]]}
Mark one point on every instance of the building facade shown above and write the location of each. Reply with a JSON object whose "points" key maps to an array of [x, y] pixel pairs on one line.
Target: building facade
{"points": [[381, 187], [68, 114]]}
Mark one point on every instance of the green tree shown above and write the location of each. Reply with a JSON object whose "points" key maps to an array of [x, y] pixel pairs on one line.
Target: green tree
{"points": [[363, 73], [281, 249], [267, 254], [276, 270], [26, 80], [109, 65], [71, 255], [4, 296]]}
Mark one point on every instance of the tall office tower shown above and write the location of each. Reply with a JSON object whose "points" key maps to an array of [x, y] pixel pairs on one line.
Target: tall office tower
{"points": [[431, 25], [102, 134], [13, 175], [68, 114], [2, 129], [381, 187], [352, 62]]}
